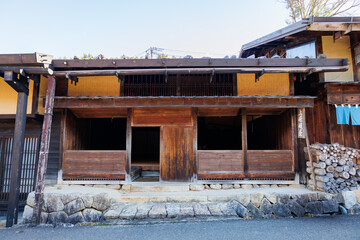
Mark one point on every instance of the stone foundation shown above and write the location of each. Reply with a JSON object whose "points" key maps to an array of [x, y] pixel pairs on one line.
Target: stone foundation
{"points": [[77, 205]]}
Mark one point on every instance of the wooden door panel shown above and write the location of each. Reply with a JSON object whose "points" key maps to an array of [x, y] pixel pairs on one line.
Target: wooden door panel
{"points": [[177, 153]]}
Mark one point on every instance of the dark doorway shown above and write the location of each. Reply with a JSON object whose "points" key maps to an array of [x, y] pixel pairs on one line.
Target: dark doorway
{"points": [[145, 153]]}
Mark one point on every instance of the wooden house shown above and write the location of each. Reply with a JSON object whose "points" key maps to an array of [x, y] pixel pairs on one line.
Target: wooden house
{"points": [[176, 120]]}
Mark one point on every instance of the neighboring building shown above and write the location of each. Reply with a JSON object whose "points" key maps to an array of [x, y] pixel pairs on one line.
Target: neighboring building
{"points": [[335, 37]]}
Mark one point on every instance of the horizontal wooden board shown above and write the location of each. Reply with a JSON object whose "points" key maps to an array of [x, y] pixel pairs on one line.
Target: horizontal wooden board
{"points": [[216, 112], [162, 116], [94, 164], [167, 102], [219, 160], [267, 161], [343, 93], [100, 112]]}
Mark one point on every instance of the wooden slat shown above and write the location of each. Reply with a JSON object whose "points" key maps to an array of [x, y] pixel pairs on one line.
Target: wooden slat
{"points": [[215, 161], [122, 102], [100, 112], [162, 116], [343, 93], [177, 153], [267, 161], [94, 164]]}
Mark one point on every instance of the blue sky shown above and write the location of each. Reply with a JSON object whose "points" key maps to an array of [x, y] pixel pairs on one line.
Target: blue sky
{"points": [[70, 28]]}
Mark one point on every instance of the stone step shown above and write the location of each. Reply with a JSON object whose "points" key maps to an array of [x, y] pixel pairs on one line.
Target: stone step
{"points": [[157, 188]]}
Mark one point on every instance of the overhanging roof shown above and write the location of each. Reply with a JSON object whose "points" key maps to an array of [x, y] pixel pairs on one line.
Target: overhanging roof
{"points": [[313, 24]]}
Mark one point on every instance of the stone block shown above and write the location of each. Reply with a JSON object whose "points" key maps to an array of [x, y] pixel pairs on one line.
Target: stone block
{"points": [[201, 210], [53, 203], [126, 188], [315, 207], [172, 210], [31, 199], [274, 186], [143, 211], [302, 199], [355, 210], [113, 186], [227, 210], [272, 197], [240, 210], [68, 197], [281, 210], [91, 215], [246, 186], [227, 186], [56, 218], [357, 193], [128, 212], [215, 186], [256, 199], [76, 218], [237, 186], [87, 200], [350, 199], [322, 196], [296, 208], [99, 186], [74, 206], [214, 209], [338, 197], [186, 210], [158, 211], [265, 186], [254, 212], [101, 202], [244, 199], [197, 187], [266, 207], [330, 206], [219, 198], [27, 215], [114, 211], [283, 198]]}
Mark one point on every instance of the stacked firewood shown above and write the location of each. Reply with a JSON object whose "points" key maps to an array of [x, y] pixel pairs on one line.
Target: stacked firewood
{"points": [[333, 168]]}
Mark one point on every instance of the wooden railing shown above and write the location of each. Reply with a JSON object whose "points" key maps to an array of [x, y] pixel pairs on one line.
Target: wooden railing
{"points": [[228, 164], [94, 164]]}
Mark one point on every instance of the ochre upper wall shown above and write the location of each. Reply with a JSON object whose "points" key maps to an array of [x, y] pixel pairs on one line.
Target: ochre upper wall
{"points": [[341, 48], [269, 84], [95, 87], [8, 98]]}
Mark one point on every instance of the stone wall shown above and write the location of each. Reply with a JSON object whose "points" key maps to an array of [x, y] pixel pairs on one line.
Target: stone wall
{"points": [[81, 205], [334, 168]]}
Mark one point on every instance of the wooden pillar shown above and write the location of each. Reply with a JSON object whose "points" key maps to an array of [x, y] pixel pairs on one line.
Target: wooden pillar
{"points": [[128, 145], [244, 139], [178, 85], [294, 138], [16, 161], [195, 144], [44, 150]]}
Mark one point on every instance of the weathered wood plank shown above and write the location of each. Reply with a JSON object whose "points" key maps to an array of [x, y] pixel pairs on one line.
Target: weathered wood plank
{"points": [[220, 160], [267, 161], [94, 164], [162, 116]]}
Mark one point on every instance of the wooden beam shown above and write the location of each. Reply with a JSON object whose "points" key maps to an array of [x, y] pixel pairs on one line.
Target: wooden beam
{"points": [[44, 150], [19, 85], [195, 143], [16, 161], [128, 145], [244, 139], [238, 101], [27, 59]]}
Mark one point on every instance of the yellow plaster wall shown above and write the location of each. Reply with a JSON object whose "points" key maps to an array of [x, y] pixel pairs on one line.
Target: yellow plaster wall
{"points": [[8, 98], [269, 84], [341, 48], [42, 95], [95, 86]]}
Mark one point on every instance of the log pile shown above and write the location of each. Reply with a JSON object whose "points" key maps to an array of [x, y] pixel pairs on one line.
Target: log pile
{"points": [[333, 168]]}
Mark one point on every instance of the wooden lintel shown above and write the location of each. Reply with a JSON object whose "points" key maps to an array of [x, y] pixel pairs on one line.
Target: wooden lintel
{"points": [[130, 102]]}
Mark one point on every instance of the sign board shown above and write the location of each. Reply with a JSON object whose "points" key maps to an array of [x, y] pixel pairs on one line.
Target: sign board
{"points": [[301, 122]]}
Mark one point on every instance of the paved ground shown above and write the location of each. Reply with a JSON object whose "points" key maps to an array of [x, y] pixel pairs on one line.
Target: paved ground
{"points": [[335, 227]]}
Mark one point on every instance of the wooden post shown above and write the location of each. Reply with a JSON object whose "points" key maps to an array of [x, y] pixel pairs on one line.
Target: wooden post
{"points": [[44, 150], [195, 143], [244, 139], [308, 150], [128, 146], [178, 85], [17, 155]]}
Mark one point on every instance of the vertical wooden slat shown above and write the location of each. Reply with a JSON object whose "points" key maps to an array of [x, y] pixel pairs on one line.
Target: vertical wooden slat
{"points": [[294, 140], [18, 149], [244, 138], [44, 149]]}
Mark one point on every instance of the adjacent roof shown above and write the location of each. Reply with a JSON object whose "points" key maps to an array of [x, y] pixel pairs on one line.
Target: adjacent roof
{"points": [[296, 32]]}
